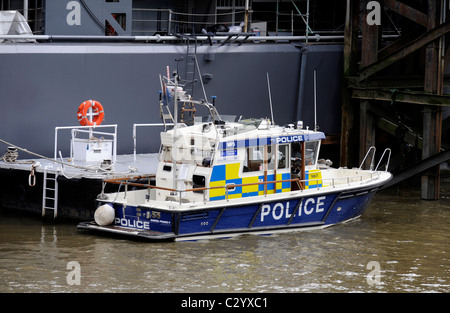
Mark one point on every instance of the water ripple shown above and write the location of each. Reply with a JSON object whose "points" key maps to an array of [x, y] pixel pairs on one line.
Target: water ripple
{"points": [[406, 237]]}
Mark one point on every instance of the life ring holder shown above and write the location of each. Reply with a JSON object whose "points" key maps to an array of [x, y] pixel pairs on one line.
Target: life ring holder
{"points": [[97, 114]]}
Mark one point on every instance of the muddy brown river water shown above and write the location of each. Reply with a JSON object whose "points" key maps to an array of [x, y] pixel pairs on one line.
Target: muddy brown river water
{"points": [[400, 244]]}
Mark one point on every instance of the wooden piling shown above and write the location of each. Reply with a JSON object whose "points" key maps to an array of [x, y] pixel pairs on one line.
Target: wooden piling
{"points": [[365, 87], [369, 55], [432, 115], [350, 70]]}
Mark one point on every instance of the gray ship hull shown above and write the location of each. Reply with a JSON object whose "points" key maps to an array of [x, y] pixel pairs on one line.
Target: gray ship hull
{"points": [[42, 85]]}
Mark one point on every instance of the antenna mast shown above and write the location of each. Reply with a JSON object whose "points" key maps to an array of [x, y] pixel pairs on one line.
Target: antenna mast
{"points": [[270, 99], [175, 151], [315, 103]]}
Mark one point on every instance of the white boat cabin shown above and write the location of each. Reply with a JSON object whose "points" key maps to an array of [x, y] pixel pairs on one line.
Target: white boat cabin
{"points": [[227, 160]]}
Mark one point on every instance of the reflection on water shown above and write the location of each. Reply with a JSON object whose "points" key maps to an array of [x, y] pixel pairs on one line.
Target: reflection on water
{"points": [[406, 239]]}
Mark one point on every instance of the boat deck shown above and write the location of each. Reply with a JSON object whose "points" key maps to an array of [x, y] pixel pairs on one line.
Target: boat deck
{"points": [[125, 166]]}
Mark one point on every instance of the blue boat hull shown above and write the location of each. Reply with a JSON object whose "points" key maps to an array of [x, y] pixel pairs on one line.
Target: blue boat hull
{"points": [[232, 219]]}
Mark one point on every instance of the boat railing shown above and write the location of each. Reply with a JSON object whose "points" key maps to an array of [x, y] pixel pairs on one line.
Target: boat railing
{"points": [[135, 126], [86, 129], [387, 150], [332, 182], [373, 150]]}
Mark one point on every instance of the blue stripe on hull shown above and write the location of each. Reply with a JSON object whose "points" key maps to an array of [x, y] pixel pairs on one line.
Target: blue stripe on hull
{"points": [[348, 208], [319, 210], [143, 219]]}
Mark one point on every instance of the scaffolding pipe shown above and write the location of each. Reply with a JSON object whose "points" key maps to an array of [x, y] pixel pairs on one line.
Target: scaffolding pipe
{"points": [[158, 38], [25, 9]]}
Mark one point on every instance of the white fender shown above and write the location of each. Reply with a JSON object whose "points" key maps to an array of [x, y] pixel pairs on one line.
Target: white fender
{"points": [[104, 215]]}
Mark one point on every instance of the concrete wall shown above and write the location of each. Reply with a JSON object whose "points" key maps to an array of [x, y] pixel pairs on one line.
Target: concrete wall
{"points": [[42, 85]]}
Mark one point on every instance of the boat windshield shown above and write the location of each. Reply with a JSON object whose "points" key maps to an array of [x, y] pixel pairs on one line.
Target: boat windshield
{"points": [[252, 123], [311, 152], [231, 124], [239, 127]]}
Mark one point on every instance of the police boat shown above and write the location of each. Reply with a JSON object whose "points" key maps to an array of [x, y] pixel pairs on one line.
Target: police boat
{"points": [[220, 178]]}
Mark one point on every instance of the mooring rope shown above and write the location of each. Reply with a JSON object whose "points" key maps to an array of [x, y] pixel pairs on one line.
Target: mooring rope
{"points": [[42, 156], [10, 155]]}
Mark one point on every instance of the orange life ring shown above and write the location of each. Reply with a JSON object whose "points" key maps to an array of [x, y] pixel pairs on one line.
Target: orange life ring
{"points": [[97, 109]]}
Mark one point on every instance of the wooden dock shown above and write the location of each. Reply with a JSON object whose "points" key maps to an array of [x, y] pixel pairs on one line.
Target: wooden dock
{"points": [[390, 82], [40, 186]]}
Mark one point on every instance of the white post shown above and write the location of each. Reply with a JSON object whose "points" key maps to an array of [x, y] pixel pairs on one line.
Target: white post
{"points": [[246, 16], [315, 102], [25, 9], [115, 145], [270, 99], [307, 21], [135, 134], [169, 26], [175, 125], [91, 117], [134, 142]]}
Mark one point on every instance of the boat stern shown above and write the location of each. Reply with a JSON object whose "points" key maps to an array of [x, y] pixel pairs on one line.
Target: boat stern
{"points": [[129, 220]]}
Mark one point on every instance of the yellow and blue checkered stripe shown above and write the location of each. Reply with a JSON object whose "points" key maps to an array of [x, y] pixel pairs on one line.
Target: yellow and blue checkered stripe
{"points": [[226, 174], [313, 179]]}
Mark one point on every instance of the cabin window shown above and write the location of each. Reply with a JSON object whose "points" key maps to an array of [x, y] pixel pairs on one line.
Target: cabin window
{"points": [[271, 159], [166, 154], [192, 146], [311, 154], [277, 158], [253, 159], [283, 156], [277, 155], [311, 149], [198, 182]]}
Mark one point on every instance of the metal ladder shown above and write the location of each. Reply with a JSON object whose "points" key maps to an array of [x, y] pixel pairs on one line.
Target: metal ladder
{"points": [[50, 191], [190, 65], [188, 106], [190, 72], [189, 62]]}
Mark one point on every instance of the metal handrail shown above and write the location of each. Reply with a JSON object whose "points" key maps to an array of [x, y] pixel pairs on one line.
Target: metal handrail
{"points": [[159, 38], [347, 180], [382, 156], [92, 130], [135, 133], [367, 154], [373, 159]]}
